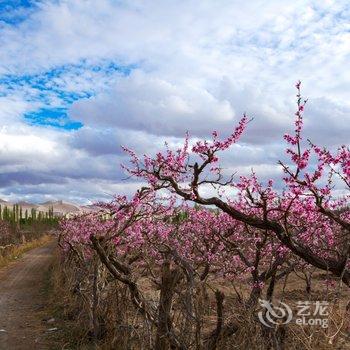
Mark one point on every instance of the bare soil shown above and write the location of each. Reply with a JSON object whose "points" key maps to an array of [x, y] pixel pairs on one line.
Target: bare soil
{"points": [[22, 301]]}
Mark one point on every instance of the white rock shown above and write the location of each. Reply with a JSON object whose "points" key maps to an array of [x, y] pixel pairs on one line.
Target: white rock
{"points": [[52, 329]]}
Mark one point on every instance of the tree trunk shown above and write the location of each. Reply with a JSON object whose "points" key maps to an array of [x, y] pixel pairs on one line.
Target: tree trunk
{"points": [[164, 329], [95, 301], [253, 297], [215, 336]]}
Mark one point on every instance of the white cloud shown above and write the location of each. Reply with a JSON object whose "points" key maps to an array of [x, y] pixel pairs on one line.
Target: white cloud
{"points": [[145, 103], [194, 65]]}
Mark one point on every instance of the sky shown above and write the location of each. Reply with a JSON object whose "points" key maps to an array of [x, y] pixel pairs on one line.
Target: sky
{"points": [[80, 78]]}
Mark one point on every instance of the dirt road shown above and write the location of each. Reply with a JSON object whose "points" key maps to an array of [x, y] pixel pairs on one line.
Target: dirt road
{"points": [[22, 301]]}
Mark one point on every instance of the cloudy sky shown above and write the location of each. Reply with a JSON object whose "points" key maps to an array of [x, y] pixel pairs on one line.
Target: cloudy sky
{"points": [[79, 78]]}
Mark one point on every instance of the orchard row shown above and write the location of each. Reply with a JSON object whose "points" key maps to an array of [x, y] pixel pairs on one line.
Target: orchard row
{"points": [[172, 254]]}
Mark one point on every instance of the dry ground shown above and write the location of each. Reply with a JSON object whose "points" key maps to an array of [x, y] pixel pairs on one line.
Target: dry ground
{"points": [[22, 301]]}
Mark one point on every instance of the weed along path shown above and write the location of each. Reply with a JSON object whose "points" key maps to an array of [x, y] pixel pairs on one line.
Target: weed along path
{"points": [[22, 299]]}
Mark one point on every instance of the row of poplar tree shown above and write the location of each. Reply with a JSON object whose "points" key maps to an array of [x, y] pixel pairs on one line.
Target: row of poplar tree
{"points": [[16, 214]]}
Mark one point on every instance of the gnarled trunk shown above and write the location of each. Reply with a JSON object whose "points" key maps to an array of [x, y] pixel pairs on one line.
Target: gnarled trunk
{"points": [[164, 329]]}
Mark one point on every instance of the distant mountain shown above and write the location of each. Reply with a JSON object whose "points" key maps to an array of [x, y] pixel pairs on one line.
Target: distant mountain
{"points": [[3, 202], [51, 203], [89, 208], [27, 206], [59, 207]]}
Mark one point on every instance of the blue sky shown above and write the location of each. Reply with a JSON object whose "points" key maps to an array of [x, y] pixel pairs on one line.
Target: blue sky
{"points": [[80, 78], [14, 11], [50, 97]]}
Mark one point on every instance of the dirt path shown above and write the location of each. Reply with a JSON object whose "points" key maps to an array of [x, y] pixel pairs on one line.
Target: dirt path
{"points": [[22, 300]]}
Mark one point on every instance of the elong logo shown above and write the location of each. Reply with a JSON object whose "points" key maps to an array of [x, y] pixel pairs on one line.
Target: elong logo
{"points": [[272, 315]]}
